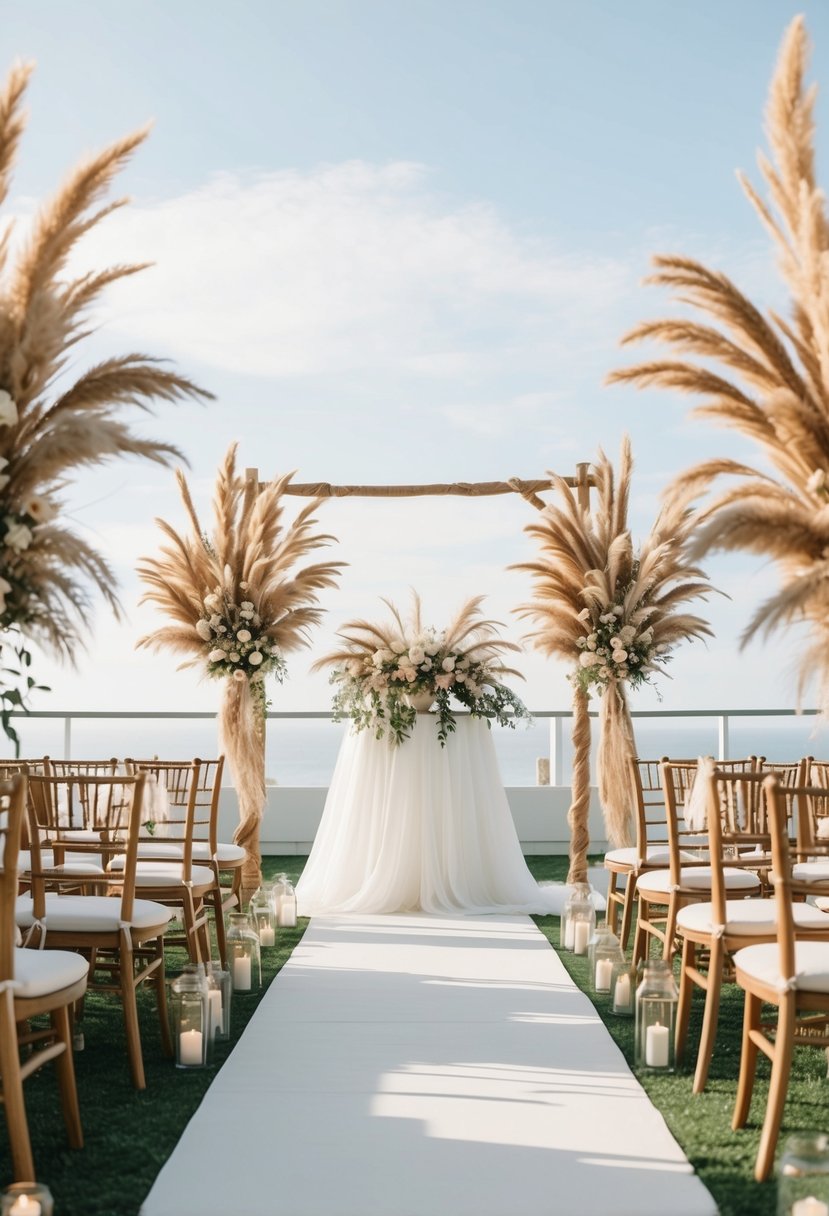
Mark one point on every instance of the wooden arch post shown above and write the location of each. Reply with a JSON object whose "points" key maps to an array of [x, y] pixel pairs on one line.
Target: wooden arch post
{"points": [[248, 831]]}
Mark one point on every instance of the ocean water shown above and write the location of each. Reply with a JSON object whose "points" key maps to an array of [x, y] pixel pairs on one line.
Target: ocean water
{"points": [[303, 752]]}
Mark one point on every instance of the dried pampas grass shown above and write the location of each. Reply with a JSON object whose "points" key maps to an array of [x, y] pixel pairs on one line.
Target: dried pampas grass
{"points": [[592, 583], [50, 427], [765, 377]]}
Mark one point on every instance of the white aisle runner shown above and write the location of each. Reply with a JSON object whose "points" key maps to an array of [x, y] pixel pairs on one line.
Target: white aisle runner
{"points": [[417, 1065]]}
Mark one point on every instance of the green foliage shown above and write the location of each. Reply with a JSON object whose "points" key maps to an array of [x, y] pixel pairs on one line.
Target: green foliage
{"points": [[17, 683]]}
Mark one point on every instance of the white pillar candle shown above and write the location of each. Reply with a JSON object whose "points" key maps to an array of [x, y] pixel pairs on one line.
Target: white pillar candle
{"points": [[656, 1047], [241, 974], [287, 911], [190, 1047], [581, 936], [621, 993], [25, 1205], [266, 935], [810, 1207], [568, 934], [604, 974], [215, 1010]]}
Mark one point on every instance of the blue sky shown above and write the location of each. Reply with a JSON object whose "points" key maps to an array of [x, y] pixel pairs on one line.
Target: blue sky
{"points": [[400, 242]]}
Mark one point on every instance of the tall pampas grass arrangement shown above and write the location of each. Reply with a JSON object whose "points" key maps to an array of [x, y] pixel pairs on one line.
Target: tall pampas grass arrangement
{"points": [[615, 613], [51, 428], [766, 377], [236, 605]]}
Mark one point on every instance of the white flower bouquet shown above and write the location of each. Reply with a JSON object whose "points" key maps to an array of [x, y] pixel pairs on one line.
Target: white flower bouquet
{"points": [[382, 670]]}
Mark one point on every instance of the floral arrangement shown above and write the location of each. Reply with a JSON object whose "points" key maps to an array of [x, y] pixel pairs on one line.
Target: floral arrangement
{"points": [[382, 672], [53, 426], [618, 646], [236, 644]]}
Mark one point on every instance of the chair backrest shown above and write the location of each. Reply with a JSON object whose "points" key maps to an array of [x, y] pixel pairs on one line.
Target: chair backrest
{"points": [[778, 801], [12, 813], [737, 826], [190, 791], [678, 777], [80, 768], [100, 816], [648, 805]]}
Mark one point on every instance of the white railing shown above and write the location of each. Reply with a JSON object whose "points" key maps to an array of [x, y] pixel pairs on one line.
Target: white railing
{"points": [[558, 720]]}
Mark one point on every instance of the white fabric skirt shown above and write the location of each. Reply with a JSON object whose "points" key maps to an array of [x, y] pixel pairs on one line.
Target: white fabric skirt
{"points": [[418, 826]]}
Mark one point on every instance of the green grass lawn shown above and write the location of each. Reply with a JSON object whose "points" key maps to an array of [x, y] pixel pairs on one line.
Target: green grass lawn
{"points": [[130, 1135]]}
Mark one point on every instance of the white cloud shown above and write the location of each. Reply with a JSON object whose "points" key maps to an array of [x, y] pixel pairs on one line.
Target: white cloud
{"points": [[346, 267]]}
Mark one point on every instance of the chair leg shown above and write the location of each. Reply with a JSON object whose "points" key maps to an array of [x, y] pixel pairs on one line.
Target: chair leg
{"points": [[710, 1016], [65, 1066], [781, 1066], [641, 939], [627, 910], [612, 913], [23, 1166], [686, 995], [161, 1001], [219, 921], [748, 1061], [131, 1026], [668, 948]]}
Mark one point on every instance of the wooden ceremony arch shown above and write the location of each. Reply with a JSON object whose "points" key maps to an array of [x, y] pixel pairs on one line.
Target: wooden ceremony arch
{"points": [[582, 483]]}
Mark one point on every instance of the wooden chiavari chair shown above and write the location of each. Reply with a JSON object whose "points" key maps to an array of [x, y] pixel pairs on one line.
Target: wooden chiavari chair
{"points": [[123, 934], [32, 983]]}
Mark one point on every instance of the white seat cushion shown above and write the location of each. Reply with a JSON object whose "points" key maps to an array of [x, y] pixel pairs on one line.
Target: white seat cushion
{"points": [[697, 878], [164, 873], [39, 972], [811, 965], [749, 917], [90, 913], [811, 871], [226, 853], [74, 863], [657, 854]]}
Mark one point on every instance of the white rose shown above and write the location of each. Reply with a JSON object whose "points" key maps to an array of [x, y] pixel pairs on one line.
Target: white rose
{"points": [[18, 536], [448, 664], [203, 630], [234, 657], [617, 610], [8, 409], [243, 635], [40, 509], [605, 673], [588, 659], [255, 658], [627, 633], [217, 656], [246, 606], [619, 656], [416, 655], [211, 602], [460, 676], [239, 675]]}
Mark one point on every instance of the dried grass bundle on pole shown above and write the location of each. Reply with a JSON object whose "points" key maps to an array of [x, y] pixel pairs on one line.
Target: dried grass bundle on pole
{"points": [[237, 606], [51, 428], [615, 613], [765, 377]]}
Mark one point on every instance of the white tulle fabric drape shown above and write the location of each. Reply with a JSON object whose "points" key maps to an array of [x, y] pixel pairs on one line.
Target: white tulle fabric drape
{"points": [[419, 827]]}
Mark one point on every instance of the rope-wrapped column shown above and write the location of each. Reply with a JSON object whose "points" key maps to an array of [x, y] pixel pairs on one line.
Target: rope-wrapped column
{"points": [[242, 736], [616, 747], [577, 816]]}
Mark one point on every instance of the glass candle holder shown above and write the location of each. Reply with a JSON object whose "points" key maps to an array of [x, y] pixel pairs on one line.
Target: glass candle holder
{"points": [[220, 1003], [260, 913], [803, 1176], [579, 892], [656, 1003], [192, 1030], [606, 954], [287, 906], [623, 989], [26, 1199], [244, 957]]}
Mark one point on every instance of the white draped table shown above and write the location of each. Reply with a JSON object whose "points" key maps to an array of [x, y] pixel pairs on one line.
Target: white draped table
{"points": [[419, 827]]}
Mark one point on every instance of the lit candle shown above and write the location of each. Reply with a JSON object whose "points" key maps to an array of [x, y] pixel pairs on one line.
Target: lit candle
{"points": [[25, 1205], [621, 993], [287, 911], [568, 934], [581, 936], [604, 973], [656, 1048], [190, 1047], [266, 935], [215, 1011], [810, 1207], [241, 974]]}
